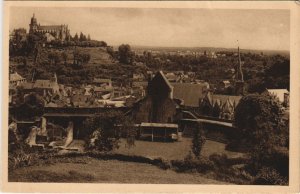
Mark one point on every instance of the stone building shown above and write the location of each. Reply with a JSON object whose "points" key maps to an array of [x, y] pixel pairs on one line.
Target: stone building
{"points": [[58, 32], [158, 105]]}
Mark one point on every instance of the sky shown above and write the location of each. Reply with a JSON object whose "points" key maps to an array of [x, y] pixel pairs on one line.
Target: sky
{"points": [[255, 29]]}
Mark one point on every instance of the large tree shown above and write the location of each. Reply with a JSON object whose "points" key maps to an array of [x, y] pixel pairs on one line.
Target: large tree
{"points": [[259, 118], [260, 121], [125, 54]]}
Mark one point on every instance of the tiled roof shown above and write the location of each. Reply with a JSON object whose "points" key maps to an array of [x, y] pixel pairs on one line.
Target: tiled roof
{"points": [[190, 93]]}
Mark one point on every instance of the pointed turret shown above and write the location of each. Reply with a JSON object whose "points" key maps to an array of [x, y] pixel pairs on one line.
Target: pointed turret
{"points": [[239, 72], [239, 77]]}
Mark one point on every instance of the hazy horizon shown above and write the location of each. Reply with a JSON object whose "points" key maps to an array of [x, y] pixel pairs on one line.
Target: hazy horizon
{"points": [[217, 28]]}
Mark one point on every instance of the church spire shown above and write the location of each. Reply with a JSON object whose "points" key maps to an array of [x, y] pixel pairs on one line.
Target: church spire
{"points": [[239, 77], [240, 72]]}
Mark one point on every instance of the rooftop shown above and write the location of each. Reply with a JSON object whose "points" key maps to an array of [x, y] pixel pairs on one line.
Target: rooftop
{"points": [[15, 77], [190, 93]]}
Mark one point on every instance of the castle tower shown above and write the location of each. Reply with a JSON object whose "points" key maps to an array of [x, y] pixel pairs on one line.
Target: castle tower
{"points": [[33, 24], [239, 77]]}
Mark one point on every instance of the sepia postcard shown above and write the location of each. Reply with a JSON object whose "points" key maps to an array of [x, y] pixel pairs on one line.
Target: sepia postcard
{"points": [[153, 96]]}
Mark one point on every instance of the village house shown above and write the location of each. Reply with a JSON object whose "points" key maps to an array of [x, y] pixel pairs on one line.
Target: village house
{"points": [[102, 82], [138, 77], [138, 88], [16, 79], [156, 113], [158, 105], [43, 87]]}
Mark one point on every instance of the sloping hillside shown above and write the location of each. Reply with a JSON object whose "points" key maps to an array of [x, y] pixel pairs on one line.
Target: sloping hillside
{"points": [[99, 56]]}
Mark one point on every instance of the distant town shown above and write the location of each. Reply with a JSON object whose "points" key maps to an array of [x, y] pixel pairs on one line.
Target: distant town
{"points": [[71, 92]]}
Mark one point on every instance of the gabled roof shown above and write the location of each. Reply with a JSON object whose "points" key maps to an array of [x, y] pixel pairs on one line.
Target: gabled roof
{"points": [[228, 106], [190, 93], [15, 77], [165, 79], [233, 100]]}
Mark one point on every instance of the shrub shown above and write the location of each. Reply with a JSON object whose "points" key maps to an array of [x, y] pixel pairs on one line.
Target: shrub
{"points": [[199, 164], [221, 160], [198, 140], [269, 176]]}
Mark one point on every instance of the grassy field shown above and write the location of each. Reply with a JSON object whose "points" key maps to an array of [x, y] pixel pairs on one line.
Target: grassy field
{"points": [[100, 171], [88, 169], [173, 150]]}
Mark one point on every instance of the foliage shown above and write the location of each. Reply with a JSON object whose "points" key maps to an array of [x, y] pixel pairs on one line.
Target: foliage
{"points": [[259, 119], [104, 131], [198, 140], [269, 176], [54, 58], [30, 107], [125, 54], [193, 164]]}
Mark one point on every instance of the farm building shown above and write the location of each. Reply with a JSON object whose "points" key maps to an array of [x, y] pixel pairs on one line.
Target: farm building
{"points": [[157, 109], [158, 106]]}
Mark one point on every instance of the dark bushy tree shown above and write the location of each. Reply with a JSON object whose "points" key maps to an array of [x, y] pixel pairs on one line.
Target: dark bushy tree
{"points": [[106, 130], [259, 118], [125, 54], [198, 140]]}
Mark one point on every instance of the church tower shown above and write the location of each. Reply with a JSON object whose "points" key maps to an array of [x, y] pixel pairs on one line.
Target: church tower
{"points": [[33, 24], [239, 77]]}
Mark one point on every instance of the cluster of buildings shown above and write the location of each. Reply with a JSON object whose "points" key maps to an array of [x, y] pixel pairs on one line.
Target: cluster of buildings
{"points": [[156, 101], [99, 93], [183, 53]]}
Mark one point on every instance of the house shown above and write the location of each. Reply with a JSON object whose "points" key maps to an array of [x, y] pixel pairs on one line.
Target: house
{"points": [[138, 88], [26, 87], [171, 77], [102, 82], [190, 94], [224, 84], [219, 106], [158, 105], [283, 95], [16, 79], [138, 77], [46, 86], [103, 92]]}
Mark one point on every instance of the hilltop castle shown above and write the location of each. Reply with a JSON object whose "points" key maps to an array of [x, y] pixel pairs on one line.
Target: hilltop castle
{"points": [[52, 32]]}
